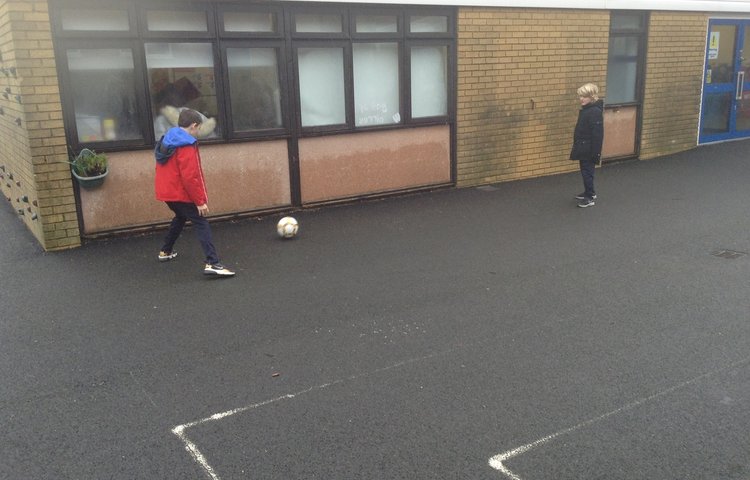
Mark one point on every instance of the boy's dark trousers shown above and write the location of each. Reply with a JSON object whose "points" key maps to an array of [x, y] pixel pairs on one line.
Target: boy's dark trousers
{"points": [[587, 172], [184, 211]]}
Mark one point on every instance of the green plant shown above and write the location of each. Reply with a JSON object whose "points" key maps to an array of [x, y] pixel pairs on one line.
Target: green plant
{"points": [[88, 163]]}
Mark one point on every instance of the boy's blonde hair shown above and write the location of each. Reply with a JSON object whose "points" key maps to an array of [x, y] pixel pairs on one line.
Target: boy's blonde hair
{"points": [[588, 90]]}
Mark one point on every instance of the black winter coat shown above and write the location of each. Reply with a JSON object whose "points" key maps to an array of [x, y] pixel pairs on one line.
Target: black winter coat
{"points": [[588, 135]]}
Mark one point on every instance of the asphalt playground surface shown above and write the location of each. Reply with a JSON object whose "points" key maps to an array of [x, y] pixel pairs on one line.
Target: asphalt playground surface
{"points": [[482, 333]]}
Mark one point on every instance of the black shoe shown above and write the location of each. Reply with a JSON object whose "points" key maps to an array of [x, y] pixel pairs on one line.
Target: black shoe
{"points": [[217, 269], [586, 202], [582, 196]]}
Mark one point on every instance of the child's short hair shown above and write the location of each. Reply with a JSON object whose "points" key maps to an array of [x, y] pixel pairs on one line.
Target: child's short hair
{"points": [[588, 90], [189, 117]]}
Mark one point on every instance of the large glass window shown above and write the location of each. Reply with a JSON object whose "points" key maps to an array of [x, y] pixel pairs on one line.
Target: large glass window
{"points": [[429, 81], [622, 69], [181, 75], [102, 83], [321, 85], [254, 88], [355, 67], [626, 43], [376, 81]]}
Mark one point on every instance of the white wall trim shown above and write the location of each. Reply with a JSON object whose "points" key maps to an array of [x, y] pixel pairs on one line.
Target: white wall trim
{"points": [[738, 6]]}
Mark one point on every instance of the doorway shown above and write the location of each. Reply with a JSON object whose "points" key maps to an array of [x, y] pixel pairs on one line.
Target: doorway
{"points": [[726, 82]]}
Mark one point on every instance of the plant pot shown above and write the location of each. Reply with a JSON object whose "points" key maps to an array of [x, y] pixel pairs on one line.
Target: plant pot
{"points": [[89, 182]]}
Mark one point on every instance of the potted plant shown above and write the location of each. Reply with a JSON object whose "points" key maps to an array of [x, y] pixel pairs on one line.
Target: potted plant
{"points": [[90, 168]]}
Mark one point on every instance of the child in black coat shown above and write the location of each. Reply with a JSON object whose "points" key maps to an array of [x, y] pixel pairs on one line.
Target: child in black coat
{"points": [[588, 137]]}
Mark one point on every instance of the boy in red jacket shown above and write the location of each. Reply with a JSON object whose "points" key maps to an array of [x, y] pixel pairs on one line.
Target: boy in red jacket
{"points": [[179, 183]]}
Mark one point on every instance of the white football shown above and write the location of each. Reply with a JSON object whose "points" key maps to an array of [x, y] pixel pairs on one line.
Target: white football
{"points": [[287, 227]]}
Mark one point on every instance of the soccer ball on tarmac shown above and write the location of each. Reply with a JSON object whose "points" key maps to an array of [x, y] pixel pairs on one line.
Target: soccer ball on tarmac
{"points": [[287, 227]]}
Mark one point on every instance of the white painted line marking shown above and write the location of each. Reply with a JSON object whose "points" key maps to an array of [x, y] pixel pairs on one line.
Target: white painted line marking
{"points": [[497, 462], [200, 459]]}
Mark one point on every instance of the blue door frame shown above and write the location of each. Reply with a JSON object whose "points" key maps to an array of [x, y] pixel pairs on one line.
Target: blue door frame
{"points": [[725, 113]]}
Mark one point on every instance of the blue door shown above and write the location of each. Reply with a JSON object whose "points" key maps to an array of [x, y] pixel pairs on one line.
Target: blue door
{"points": [[726, 83]]}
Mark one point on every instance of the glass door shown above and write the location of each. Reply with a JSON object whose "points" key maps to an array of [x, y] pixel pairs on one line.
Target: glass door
{"points": [[726, 88]]}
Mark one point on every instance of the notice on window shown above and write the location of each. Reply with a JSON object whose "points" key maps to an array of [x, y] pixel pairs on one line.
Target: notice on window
{"points": [[713, 46]]}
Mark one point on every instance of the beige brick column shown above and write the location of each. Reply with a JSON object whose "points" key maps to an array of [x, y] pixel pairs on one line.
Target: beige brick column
{"points": [[32, 139], [674, 79]]}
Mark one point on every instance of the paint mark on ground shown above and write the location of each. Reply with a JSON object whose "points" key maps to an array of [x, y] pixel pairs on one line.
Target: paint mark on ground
{"points": [[498, 461], [200, 458]]}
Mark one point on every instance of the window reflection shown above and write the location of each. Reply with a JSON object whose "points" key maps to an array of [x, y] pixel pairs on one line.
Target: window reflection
{"points": [[103, 92], [181, 75], [254, 88]]}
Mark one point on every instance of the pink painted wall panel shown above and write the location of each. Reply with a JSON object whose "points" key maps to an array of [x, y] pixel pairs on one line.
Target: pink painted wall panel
{"points": [[240, 177], [348, 165], [619, 128]]}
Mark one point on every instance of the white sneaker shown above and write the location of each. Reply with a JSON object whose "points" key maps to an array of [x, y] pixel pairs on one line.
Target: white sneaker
{"points": [[581, 196], [165, 257], [218, 270]]}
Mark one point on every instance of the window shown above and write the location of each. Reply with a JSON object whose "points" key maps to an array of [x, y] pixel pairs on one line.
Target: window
{"points": [[428, 24], [180, 75], [376, 24], [624, 64], [429, 81], [352, 67], [103, 94], [318, 23], [251, 22], [376, 84], [254, 88], [95, 20], [321, 80], [176, 21]]}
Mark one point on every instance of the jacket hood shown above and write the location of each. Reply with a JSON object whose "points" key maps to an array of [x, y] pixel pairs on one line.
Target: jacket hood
{"points": [[175, 137]]}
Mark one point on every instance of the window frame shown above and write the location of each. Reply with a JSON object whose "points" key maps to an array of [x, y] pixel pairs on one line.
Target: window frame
{"points": [[401, 86], [313, 9], [347, 126], [147, 34], [281, 62], [450, 81], [451, 14], [231, 8], [398, 34], [218, 83], [56, 19], [286, 41], [69, 111], [641, 34]]}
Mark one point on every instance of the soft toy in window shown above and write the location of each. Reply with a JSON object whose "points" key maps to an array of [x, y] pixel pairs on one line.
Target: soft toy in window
{"points": [[168, 118]]}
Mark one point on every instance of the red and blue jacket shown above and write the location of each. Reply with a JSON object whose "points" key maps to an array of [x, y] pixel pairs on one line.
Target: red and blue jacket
{"points": [[179, 175]]}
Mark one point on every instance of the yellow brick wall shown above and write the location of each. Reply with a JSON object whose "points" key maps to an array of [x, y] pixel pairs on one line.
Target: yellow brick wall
{"points": [[674, 76], [518, 70], [32, 140]]}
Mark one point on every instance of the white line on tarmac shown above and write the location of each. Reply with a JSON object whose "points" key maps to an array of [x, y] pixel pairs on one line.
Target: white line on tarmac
{"points": [[497, 462], [200, 459]]}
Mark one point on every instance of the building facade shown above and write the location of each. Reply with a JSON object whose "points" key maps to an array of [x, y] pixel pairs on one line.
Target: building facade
{"points": [[308, 103]]}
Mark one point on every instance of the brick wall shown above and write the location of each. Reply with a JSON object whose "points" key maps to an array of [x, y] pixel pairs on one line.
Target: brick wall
{"points": [[518, 70], [32, 141], [674, 76]]}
